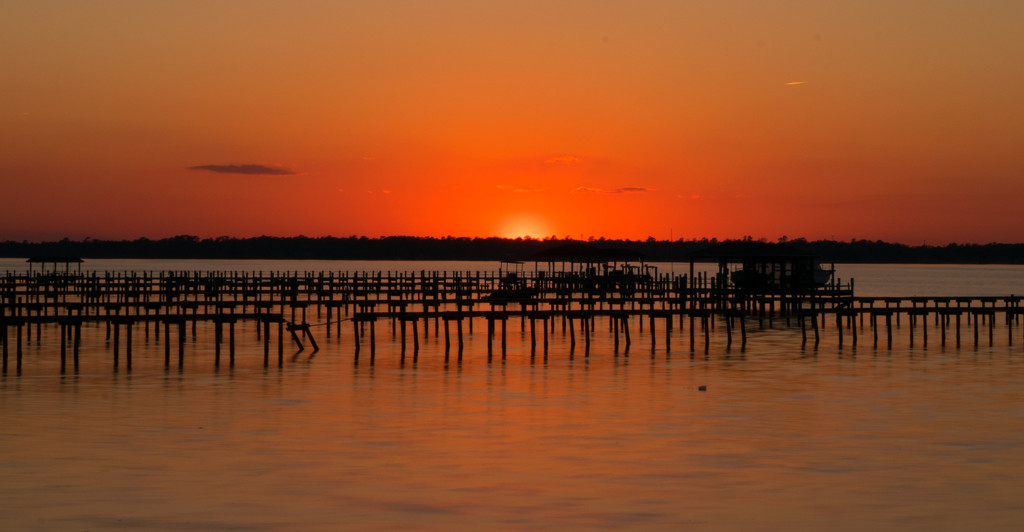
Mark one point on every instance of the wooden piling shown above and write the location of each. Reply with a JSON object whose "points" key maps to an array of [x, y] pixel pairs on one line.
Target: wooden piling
{"points": [[458, 327], [888, 328], [128, 345], [181, 343], [63, 346], [728, 332], [743, 333]]}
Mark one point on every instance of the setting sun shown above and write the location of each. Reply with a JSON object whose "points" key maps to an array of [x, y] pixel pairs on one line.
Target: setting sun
{"points": [[524, 225]]}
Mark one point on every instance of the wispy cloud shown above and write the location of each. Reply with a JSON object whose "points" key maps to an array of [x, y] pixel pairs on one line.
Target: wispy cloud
{"points": [[796, 83], [620, 190], [244, 169], [520, 189], [563, 159]]}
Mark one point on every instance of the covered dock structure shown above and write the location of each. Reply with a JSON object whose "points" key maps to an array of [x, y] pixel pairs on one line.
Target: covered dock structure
{"points": [[56, 261], [587, 259], [764, 267]]}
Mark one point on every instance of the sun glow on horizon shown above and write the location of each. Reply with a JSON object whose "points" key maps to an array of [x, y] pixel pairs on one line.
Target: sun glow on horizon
{"points": [[523, 225]]}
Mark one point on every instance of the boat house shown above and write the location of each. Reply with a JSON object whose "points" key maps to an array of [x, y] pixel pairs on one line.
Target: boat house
{"points": [[56, 261], [764, 267]]}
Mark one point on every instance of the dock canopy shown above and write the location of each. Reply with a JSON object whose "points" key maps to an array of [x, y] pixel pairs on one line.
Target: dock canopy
{"points": [[584, 254], [763, 266], [66, 261]]}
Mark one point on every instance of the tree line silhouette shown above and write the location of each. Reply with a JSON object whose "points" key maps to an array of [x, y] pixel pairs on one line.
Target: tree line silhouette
{"points": [[465, 248]]}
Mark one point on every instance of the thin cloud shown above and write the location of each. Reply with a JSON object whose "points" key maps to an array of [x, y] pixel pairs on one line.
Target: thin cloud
{"points": [[520, 189], [620, 190], [563, 159], [244, 169], [630, 190], [796, 83]]}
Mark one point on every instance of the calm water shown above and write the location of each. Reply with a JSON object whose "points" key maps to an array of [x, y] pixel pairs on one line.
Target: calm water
{"points": [[783, 438]]}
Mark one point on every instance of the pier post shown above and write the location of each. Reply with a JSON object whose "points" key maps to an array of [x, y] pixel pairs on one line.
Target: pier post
{"points": [[991, 325], [415, 340], [447, 340], [218, 331], [533, 335], [128, 345], [888, 329], [874, 327], [817, 335], [615, 330], [76, 343], [668, 333], [547, 319], [490, 338], [942, 330], [355, 336], [924, 330], [625, 329], [853, 328], [975, 330], [728, 331], [402, 326], [839, 328], [585, 322], [912, 319], [654, 337], [692, 333], [458, 327], [572, 337], [743, 333], [803, 330], [266, 342], [1009, 329], [181, 343], [167, 345], [63, 346], [704, 322], [117, 341]]}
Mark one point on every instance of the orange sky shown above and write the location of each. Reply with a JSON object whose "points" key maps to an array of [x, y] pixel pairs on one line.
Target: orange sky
{"points": [[868, 119]]}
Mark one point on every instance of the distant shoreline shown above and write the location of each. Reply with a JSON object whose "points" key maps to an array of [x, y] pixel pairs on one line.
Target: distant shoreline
{"points": [[485, 249]]}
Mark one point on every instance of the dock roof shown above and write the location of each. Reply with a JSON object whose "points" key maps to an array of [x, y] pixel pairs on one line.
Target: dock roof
{"points": [[730, 250], [55, 260], [586, 253]]}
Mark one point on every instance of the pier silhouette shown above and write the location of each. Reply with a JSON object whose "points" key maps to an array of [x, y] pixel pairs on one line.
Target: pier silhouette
{"points": [[575, 301]]}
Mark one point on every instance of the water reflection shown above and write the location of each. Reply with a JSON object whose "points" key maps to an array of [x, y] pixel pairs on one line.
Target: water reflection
{"points": [[783, 437]]}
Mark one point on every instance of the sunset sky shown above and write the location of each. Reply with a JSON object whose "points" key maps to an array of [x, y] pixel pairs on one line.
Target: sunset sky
{"points": [[875, 119]]}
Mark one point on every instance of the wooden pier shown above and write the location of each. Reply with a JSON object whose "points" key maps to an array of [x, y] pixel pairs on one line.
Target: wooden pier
{"points": [[421, 303]]}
